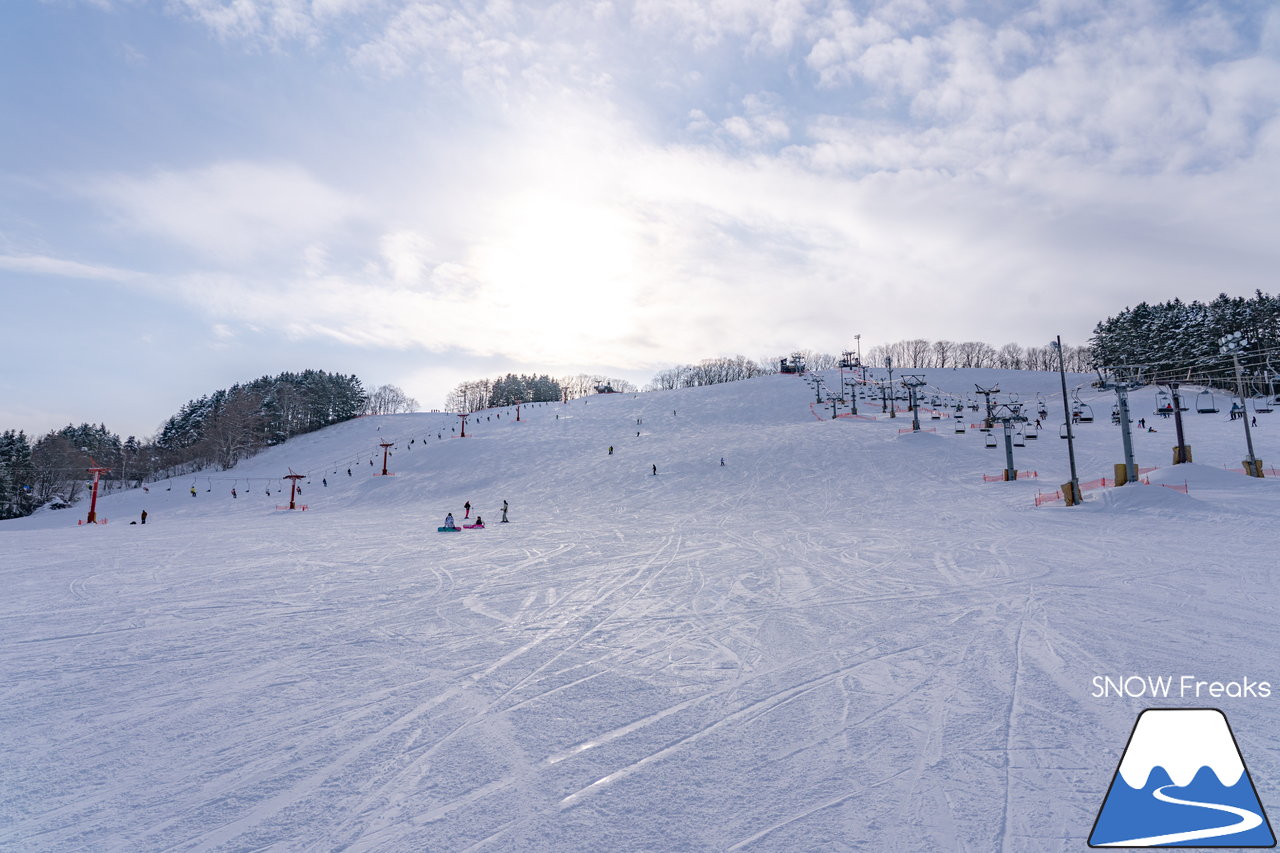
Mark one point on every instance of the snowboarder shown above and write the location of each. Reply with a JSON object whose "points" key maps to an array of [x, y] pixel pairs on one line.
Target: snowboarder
{"points": [[448, 521], [721, 461], [324, 481], [233, 492], [348, 472], [144, 516], [655, 470], [193, 491], [504, 512], [611, 450], [479, 520], [467, 507]]}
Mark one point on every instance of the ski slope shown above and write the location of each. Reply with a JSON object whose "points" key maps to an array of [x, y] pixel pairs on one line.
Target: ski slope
{"points": [[841, 639]]}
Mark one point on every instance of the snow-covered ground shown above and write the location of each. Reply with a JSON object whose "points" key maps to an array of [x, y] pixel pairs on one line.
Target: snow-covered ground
{"points": [[841, 639]]}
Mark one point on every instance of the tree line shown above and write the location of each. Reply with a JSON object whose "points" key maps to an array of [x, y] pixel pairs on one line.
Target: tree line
{"points": [[915, 353], [1178, 340], [219, 429], [476, 394]]}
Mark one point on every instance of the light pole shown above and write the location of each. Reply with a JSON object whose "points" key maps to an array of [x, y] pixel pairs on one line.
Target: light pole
{"points": [[1232, 344], [1074, 486]]}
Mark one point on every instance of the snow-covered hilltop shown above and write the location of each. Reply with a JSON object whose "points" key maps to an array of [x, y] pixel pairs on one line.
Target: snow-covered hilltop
{"points": [[840, 639]]}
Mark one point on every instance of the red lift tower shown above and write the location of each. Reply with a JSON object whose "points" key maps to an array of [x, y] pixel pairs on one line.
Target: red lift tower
{"points": [[386, 447], [97, 471], [464, 426], [518, 402], [293, 490]]}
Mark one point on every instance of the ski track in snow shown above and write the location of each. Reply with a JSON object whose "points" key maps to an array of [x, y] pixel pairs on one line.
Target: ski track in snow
{"points": [[841, 640]]}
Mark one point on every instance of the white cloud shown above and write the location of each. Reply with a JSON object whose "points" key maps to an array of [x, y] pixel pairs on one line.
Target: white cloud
{"points": [[230, 211], [42, 265]]}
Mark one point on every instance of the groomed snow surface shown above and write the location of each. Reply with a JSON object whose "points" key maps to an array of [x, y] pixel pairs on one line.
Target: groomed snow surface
{"points": [[842, 639]]}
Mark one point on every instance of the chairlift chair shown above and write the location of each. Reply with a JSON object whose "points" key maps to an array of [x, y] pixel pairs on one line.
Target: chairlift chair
{"points": [[1019, 439], [1205, 404], [1164, 405], [1062, 431], [1086, 413], [1262, 406], [991, 440]]}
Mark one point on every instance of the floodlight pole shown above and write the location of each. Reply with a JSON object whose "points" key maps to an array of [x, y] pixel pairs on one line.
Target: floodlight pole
{"points": [[1066, 414]]}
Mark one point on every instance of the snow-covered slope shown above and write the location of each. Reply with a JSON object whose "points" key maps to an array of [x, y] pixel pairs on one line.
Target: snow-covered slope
{"points": [[842, 638]]}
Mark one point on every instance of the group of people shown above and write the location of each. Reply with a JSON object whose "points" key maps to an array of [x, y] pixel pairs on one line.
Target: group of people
{"points": [[450, 524]]}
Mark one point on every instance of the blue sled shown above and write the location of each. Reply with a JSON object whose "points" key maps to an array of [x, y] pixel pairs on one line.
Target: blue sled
{"points": [[449, 529]]}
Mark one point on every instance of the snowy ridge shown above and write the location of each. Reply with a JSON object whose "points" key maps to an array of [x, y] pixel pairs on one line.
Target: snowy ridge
{"points": [[1182, 742]]}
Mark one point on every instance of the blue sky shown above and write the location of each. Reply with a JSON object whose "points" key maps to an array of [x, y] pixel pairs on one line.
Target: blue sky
{"points": [[198, 192]]}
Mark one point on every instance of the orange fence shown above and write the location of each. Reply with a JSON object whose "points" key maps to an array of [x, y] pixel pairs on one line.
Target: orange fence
{"points": [[999, 478]]}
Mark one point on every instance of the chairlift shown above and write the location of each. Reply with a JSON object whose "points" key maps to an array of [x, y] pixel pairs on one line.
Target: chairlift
{"points": [[1205, 404], [1062, 432], [1262, 406], [959, 427], [991, 440], [1086, 413], [1031, 435], [1019, 439]]}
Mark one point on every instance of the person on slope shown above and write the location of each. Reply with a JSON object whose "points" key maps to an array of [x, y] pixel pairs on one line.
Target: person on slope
{"points": [[467, 506], [504, 513], [611, 450], [448, 521]]}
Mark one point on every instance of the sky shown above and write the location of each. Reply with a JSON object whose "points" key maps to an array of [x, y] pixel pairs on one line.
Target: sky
{"points": [[199, 192]]}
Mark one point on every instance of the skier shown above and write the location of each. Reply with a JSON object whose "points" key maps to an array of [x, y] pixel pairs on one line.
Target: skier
{"points": [[504, 512], [324, 481], [479, 521], [721, 461], [655, 470], [144, 516], [193, 491], [233, 492], [448, 521], [637, 433], [467, 507], [348, 472], [1255, 420], [611, 450]]}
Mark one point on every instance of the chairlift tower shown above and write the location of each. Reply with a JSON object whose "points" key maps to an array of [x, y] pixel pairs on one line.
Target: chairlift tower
{"points": [[1009, 414], [1128, 471], [888, 363], [912, 381], [293, 487], [1232, 344], [464, 416], [987, 392], [386, 448], [853, 397], [1181, 453], [97, 471]]}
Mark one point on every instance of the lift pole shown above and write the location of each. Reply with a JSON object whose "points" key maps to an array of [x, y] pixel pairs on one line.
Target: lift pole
{"points": [[386, 447], [1181, 453], [912, 381], [1074, 498], [1232, 344], [97, 471]]}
